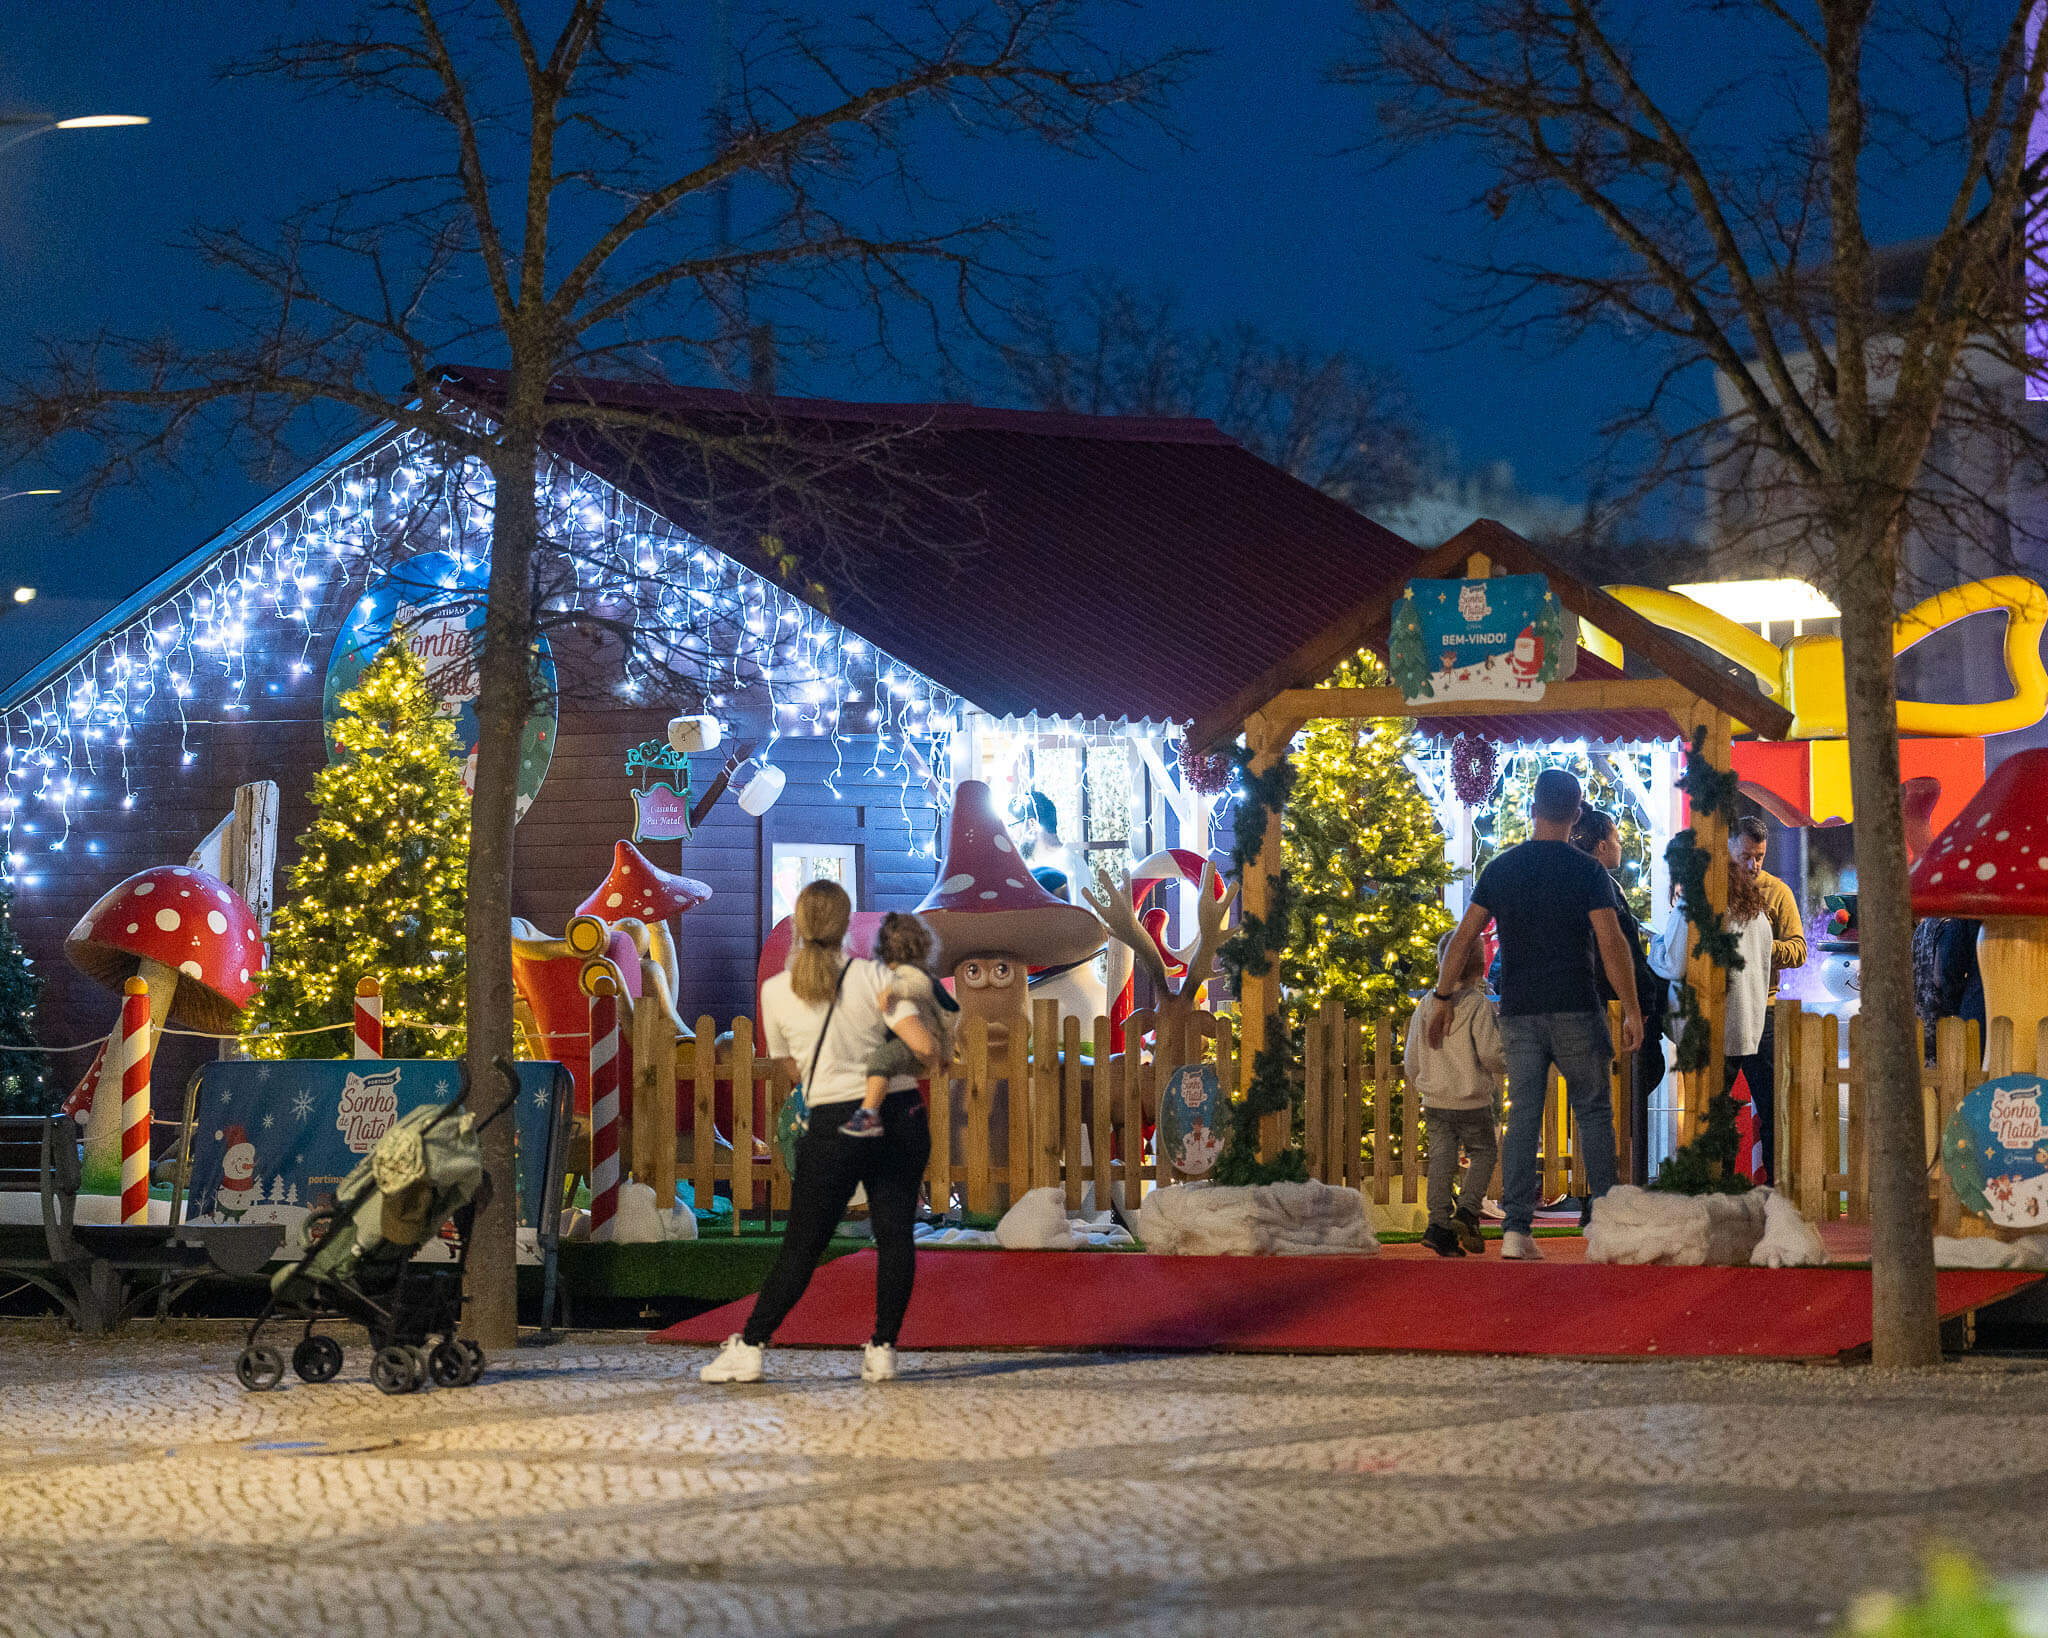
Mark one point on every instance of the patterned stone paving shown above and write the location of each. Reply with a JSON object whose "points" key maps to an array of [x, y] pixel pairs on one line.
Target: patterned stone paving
{"points": [[598, 1488]]}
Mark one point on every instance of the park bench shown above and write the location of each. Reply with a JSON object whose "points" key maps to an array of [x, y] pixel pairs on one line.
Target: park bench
{"points": [[87, 1267]]}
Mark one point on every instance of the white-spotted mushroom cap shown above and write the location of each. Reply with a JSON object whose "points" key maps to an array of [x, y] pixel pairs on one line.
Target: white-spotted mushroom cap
{"points": [[641, 889], [1992, 860], [191, 922], [986, 902]]}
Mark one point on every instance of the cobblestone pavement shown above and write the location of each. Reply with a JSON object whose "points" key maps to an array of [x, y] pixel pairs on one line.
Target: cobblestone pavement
{"points": [[597, 1487]]}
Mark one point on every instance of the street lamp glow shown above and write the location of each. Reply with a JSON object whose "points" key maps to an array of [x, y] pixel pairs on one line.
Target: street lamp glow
{"points": [[17, 493], [93, 122], [24, 594], [1756, 602]]}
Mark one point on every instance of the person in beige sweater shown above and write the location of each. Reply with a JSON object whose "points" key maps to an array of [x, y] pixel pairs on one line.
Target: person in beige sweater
{"points": [[1458, 1084]]}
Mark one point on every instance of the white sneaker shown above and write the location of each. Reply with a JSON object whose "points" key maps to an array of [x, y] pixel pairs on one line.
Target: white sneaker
{"points": [[1520, 1248], [878, 1362], [738, 1361]]}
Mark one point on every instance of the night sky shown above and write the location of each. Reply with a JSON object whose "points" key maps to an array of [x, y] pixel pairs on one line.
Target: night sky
{"points": [[1261, 217]]}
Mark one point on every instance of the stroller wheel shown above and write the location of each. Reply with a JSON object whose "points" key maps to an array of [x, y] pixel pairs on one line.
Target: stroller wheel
{"points": [[476, 1362], [259, 1369], [395, 1370], [317, 1359], [448, 1365]]}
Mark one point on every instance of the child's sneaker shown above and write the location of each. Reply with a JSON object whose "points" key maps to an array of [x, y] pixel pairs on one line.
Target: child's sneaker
{"points": [[878, 1362], [1465, 1226], [1520, 1248], [738, 1361], [862, 1123], [1442, 1241]]}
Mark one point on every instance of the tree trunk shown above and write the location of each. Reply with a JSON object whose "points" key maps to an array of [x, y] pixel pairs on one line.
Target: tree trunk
{"points": [[503, 701], [1905, 1325]]}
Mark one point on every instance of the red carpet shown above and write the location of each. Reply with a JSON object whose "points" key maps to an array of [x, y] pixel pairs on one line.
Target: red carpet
{"points": [[1022, 1299]]}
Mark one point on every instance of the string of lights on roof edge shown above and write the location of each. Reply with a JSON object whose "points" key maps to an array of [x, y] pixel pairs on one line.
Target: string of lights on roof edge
{"points": [[242, 624]]}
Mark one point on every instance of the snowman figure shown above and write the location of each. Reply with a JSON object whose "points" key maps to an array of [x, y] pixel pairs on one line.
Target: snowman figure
{"points": [[237, 1190]]}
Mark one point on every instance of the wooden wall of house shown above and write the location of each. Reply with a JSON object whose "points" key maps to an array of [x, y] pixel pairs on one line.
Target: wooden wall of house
{"points": [[564, 845]]}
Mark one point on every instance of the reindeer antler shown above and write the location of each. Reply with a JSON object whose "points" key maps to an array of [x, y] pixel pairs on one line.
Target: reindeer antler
{"points": [[1212, 919], [1111, 902]]}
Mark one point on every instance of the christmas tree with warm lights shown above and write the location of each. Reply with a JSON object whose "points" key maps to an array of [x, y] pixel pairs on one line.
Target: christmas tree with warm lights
{"points": [[1365, 859], [21, 1073], [378, 889]]}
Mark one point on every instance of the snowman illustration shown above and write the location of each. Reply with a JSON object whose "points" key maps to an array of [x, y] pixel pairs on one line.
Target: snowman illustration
{"points": [[237, 1190]]}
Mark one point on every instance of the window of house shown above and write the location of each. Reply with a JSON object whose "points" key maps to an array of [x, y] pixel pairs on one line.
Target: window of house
{"points": [[794, 864]]}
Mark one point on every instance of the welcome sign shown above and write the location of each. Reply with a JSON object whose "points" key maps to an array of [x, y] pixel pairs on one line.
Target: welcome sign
{"points": [[1499, 638], [434, 604], [275, 1139]]}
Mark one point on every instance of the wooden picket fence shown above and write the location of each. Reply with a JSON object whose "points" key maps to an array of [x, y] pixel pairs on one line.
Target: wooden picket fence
{"points": [[1038, 1108], [1822, 1135]]}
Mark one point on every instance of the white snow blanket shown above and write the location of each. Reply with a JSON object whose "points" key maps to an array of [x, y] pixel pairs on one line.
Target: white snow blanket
{"points": [[1632, 1225], [1397, 1216], [638, 1221], [1789, 1241], [1040, 1222], [1982, 1251], [1285, 1219]]}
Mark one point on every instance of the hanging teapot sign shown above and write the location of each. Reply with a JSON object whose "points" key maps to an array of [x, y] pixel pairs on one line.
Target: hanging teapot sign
{"points": [[1499, 638]]}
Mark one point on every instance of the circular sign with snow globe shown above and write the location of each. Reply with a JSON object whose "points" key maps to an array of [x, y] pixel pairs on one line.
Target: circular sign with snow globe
{"points": [[1995, 1152], [1191, 1119], [434, 604]]}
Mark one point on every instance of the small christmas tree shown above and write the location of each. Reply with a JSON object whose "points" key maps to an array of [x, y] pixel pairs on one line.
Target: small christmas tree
{"points": [[379, 884], [1366, 863], [21, 1073]]}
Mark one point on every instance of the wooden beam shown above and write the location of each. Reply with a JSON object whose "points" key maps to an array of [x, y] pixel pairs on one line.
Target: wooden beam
{"points": [[1300, 705]]}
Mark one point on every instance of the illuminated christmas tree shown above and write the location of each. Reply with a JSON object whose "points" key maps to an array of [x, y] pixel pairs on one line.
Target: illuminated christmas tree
{"points": [[1506, 821], [1366, 862], [379, 884], [21, 1073]]}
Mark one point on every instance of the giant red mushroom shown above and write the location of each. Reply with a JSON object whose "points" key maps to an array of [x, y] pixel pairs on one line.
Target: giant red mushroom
{"points": [[640, 890], [1991, 866], [192, 937]]}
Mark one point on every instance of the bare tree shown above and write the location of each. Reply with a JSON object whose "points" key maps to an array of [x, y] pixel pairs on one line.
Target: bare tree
{"points": [[1737, 244], [545, 229], [1328, 417]]}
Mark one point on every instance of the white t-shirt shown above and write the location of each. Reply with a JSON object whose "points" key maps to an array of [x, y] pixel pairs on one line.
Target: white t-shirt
{"points": [[860, 1027], [1749, 987]]}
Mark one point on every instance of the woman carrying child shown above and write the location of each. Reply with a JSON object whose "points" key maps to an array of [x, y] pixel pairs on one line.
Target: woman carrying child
{"points": [[825, 1020], [1749, 985], [904, 945]]}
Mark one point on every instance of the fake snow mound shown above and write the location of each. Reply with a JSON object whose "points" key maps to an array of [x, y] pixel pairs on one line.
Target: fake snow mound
{"points": [[1982, 1251], [638, 1221], [1761, 1228], [1208, 1220], [1039, 1222]]}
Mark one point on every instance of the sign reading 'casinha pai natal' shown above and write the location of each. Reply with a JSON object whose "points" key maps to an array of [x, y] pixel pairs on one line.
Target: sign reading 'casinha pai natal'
{"points": [[1500, 638]]}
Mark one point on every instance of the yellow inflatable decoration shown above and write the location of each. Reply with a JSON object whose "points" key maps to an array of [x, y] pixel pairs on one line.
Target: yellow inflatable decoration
{"points": [[1806, 674]]}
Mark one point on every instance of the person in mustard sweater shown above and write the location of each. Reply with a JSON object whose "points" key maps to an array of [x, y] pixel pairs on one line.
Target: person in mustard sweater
{"points": [[1747, 838]]}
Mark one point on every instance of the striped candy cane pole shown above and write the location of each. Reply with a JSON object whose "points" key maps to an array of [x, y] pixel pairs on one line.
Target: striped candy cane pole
{"points": [[369, 1018], [135, 1101], [603, 990]]}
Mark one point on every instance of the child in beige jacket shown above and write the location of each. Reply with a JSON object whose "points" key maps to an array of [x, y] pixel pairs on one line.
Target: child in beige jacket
{"points": [[1459, 1087]]}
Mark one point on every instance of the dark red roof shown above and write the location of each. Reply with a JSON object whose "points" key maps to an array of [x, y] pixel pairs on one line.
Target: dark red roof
{"points": [[1063, 565]]}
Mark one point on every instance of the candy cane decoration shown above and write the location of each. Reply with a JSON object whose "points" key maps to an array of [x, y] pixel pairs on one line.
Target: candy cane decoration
{"points": [[135, 1101], [369, 1018], [603, 989]]}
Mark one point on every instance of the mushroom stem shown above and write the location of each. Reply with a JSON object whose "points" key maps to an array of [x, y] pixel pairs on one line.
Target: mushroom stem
{"points": [[2012, 954], [163, 985]]}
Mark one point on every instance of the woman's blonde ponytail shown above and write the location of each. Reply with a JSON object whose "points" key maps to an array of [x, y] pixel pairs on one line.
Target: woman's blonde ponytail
{"points": [[819, 922]]}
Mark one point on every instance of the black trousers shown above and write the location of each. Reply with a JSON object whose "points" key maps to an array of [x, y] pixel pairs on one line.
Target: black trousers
{"points": [[828, 1168]]}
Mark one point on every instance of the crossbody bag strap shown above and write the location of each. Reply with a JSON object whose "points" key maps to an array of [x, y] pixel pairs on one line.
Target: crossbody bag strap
{"points": [[811, 1074]]}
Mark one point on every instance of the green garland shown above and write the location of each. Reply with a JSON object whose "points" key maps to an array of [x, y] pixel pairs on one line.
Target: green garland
{"points": [[1253, 949], [1707, 1164]]}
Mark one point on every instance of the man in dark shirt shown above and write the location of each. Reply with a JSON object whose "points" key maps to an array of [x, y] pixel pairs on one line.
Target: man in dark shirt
{"points": [[1554, 908]]}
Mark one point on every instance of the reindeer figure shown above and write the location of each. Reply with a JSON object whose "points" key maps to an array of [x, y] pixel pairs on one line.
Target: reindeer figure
{"points": [[1111, 902]]}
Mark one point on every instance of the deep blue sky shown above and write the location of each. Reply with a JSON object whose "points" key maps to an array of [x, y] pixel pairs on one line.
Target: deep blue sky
{"points": [[1262, 217]]}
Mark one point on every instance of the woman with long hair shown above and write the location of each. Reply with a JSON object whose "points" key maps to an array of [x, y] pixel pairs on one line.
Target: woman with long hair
{"points": [[1749, 986], [824, 1017], [1597, 833]]}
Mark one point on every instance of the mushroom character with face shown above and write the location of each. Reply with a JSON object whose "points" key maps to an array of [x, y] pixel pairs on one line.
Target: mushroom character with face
{"points": [[1991, 866], [993, 921]]}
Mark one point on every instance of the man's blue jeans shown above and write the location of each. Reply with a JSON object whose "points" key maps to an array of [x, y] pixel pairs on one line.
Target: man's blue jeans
{"points": [[1579, 1044]]}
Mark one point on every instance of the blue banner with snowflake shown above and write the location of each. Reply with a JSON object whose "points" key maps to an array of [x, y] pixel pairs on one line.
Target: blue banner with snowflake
{"points": [[275, 1139]]}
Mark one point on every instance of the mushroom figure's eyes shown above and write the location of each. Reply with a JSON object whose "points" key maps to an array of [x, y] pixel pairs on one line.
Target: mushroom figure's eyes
{"points": [[1000, 972], [974, 975]]}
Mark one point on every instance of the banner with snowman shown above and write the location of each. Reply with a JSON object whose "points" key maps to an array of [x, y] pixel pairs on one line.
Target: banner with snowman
{"points": [[274, 1140], [1500, 638], [1995, 1151]]}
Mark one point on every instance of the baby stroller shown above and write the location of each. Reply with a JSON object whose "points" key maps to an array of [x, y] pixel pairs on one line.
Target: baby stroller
{"points": [[425, 1171]]}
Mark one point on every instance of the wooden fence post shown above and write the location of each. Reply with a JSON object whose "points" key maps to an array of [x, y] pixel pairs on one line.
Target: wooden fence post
{"points": [[1954, 1062], [704, 1116], [1858, 1141], [1411, 1128], [1045, 1092], [742, 1122], [1017, 1101], [1070, 1105], [1100, 1143], [1314, 1128], [1382, 1114]]}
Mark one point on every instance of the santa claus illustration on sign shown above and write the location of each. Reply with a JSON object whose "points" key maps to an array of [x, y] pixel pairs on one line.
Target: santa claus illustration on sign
{"points": [[1527, 660]]}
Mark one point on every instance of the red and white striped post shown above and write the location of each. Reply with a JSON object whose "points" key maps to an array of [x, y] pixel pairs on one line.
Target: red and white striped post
{"points": [[603, 990], [369, 1018], [135, 1101]]}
